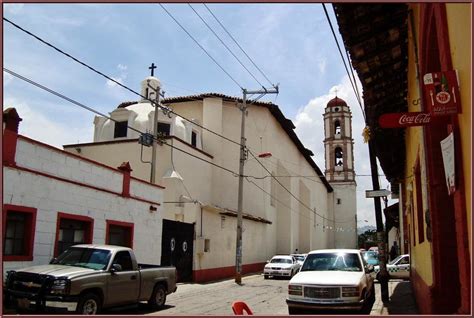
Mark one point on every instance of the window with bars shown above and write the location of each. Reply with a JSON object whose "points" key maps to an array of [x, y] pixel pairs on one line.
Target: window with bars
{"points": [[73, 230], [19, 230]]}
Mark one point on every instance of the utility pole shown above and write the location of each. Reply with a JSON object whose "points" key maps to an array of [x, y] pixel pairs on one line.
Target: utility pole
{"points": [[383, 275], [243, 152], [158, 93]]}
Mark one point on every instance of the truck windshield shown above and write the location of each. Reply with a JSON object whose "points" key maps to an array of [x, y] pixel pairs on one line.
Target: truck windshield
{"points": [[332, 262], [84, 257]]}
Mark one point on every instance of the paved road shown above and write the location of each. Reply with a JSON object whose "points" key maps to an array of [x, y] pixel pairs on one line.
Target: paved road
{"points": [[264, 297]]}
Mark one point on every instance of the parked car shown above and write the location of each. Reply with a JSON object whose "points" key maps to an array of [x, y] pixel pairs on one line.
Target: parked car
{"points": [[86, 278], [371, 257], [331, 279], [398, 268], [299, 258], [281, 265]]}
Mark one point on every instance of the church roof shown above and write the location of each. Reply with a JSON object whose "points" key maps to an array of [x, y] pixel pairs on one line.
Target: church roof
{"points": [[336, 101], [284, 122]]}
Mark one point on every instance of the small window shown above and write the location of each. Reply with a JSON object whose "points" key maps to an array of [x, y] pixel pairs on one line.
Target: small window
{"points": [[163, 129], [119, 233], [193, 138], [19, 229], [72, 230], [124, 259], [207, 245], [120, 129], [338, 201]]}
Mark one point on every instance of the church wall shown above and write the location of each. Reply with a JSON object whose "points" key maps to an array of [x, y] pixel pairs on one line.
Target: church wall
{"points": [[217, 189]]}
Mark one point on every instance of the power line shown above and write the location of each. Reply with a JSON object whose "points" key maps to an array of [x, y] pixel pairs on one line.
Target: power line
{"points": [[115, 81], [235, 41], [296, 198], [195, 41], [101, 114], [342, 57], [225, 45]]}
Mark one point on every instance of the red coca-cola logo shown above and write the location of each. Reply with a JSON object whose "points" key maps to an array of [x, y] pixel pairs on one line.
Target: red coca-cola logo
{"points": [[414, 119], [400, 120]]}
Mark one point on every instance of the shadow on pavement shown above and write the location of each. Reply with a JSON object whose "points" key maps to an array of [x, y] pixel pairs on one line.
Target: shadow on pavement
{"points": [[402, 300]]}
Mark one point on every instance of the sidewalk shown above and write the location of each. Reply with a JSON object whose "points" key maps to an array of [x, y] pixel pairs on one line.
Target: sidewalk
{"points": [[402, 300]]}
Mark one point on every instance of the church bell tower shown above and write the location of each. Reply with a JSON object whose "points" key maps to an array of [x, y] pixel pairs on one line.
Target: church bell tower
{"points": [[339, 155]]}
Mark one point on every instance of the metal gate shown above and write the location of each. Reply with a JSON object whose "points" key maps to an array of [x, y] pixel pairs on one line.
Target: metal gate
{"points": [[177, 248]]}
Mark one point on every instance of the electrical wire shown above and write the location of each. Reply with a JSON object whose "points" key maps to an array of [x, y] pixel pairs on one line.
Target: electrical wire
{"points": [[113, 80], [240, 47], [296, 198], [105, 116], [225, 45], [202, 48], [342, 57]]}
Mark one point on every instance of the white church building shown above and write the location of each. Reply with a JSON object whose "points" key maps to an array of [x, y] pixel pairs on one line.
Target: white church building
{"points": [[199, 170]]}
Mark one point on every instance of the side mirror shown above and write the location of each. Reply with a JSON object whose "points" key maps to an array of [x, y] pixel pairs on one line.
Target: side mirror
{"points": [[115, 268], [268, 261], [370, 268]]}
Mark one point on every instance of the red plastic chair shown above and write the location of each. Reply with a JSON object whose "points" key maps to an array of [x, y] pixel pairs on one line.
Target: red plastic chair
{"points": [[239, 307]]}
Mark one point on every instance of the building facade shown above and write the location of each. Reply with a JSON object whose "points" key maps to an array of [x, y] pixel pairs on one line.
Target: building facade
{"points": [[421, 68], [53, 199], [199, 169]]}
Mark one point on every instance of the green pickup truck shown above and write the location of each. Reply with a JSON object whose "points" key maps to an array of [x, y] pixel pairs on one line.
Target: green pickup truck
{"points": [[86, 278]]}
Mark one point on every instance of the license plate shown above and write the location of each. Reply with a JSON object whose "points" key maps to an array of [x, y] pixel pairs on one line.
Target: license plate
{"points": [[275, 272], [23, 303]]}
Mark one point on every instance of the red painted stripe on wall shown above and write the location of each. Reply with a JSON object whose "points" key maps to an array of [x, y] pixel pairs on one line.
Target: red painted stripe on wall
{"points": [[211, 274]]}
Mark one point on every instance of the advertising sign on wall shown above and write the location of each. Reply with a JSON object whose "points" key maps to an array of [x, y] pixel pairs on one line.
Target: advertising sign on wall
{"points": [[441, 92], [402, 120]]}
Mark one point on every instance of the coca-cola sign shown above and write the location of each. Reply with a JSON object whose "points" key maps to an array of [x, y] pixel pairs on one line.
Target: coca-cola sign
{"points": [[401, 120]]}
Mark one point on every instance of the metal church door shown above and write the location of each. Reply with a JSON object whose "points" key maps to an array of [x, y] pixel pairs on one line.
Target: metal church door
{"points": [[177, 248]]}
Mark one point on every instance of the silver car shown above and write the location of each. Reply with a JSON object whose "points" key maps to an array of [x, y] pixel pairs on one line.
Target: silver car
{"points": [[281, 265]]}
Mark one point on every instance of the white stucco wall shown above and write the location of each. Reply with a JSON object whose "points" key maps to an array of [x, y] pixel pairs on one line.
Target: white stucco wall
{"points": [[50, 195]]}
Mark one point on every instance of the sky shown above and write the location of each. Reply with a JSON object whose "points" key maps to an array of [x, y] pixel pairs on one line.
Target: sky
{"points": [[291, 43]]}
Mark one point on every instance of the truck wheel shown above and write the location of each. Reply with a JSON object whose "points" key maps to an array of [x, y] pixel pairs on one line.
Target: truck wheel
{"points": [[89, 304], [158, 297]]}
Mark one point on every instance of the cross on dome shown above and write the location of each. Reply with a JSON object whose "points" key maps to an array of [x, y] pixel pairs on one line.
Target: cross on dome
{"points": [[152, 68]]}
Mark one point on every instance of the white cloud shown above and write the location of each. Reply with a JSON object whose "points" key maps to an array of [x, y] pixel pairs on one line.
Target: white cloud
{"points": [[310, 129], [121, 78], [37, 126], [110, 83]]}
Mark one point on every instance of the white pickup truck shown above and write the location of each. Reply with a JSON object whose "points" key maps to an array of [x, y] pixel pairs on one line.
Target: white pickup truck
{"points": [[86, 278]]}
